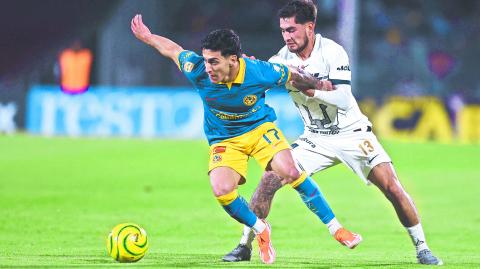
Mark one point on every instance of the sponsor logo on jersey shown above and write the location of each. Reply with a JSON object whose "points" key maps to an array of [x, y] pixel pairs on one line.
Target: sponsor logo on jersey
{"points": [[219, 149], [188, 67], [343, 68], [250, 100], [234, 116]]}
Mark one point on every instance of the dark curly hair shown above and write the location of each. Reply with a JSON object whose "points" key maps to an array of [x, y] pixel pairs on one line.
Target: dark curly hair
{"points": [[224, 40], [303, 11]]}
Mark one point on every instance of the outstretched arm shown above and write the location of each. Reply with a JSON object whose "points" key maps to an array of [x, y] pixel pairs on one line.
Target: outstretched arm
{"points": [[308, 83], [165, 46]]}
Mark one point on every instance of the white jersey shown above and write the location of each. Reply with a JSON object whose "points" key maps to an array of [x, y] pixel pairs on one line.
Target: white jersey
{"points": [[337, 131], [327, 61]]}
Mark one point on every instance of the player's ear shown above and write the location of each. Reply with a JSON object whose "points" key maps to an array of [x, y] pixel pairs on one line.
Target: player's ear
{"points": [[310, 27], [232, 59]]}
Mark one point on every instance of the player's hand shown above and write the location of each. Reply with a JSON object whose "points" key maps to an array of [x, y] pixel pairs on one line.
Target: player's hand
{"points": [[249, 57], [309, 92], [325, 85], [139, 29]]}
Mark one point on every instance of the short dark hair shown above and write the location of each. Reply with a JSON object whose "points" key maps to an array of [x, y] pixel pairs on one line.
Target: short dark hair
{"points": [[303, 11], [224, 40]]}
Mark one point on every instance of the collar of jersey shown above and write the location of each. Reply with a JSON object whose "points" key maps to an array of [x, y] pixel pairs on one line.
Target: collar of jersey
{"points": [[240, 76]]}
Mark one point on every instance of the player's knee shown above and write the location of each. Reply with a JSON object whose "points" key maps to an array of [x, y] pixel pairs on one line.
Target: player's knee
{"points": [[393, 189], [222, 188], [291, 174]]}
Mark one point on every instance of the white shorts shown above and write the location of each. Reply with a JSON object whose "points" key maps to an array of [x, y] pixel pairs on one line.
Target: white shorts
{"points": [[359, 150]]}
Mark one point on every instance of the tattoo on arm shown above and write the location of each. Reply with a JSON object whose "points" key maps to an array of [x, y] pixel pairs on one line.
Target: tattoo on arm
{"points": [[302, 80], [262, 198]]}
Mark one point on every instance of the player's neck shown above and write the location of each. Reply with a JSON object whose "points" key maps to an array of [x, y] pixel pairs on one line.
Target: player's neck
{"points": [[305, 53], [233, 72]]}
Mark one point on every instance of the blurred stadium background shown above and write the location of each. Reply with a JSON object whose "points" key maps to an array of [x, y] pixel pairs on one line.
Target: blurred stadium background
{"points": [[415, 74], [414, 64]]}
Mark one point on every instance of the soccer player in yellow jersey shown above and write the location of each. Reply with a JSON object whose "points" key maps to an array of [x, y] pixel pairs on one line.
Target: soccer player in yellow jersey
{"points": [[238, 124]]}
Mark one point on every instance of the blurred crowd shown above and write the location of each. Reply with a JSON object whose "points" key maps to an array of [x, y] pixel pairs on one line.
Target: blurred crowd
{"points": [[408, 48], [418, 47]]}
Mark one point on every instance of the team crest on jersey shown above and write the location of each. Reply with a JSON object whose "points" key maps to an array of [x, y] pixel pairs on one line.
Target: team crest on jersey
{"points": [[217, 158], [250, 100], [188, 67]]}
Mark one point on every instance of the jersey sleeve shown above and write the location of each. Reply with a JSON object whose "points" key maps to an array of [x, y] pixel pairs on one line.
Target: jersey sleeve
{"points": [[339, 67], [191, 64], [274, 74], [276, 59]]}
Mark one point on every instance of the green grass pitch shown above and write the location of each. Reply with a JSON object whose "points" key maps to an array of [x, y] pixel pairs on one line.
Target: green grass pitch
{"points": [[59, 198]]}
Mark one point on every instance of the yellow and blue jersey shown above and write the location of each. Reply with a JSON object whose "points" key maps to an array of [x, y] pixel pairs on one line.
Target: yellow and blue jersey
{"points": [[234, 108]]}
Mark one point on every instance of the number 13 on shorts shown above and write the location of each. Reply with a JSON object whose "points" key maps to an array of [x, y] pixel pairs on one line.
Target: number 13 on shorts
{"points": [[366, 147]]}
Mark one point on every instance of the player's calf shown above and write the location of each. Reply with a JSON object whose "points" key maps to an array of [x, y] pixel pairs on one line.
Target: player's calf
{"points": [[313, 198]]}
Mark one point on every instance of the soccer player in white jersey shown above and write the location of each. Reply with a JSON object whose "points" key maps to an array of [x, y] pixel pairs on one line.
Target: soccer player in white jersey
{"points": [[335, 132]]}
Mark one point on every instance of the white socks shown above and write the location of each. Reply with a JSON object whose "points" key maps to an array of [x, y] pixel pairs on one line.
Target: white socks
{"points": [[418, 237], [333, 226], [247, 237], [248, 234], [259, 226]]}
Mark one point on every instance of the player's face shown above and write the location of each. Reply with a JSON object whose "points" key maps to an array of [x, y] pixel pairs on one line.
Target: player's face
{"points": [[217, 66], [295, 35]]}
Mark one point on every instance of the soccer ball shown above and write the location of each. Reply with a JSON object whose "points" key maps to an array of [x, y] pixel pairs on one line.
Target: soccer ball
{"points": [[127, 242]]}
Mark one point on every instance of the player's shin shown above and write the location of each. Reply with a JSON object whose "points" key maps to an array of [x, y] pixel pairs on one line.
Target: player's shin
{"points": [[313, 198], [237, 207]]}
